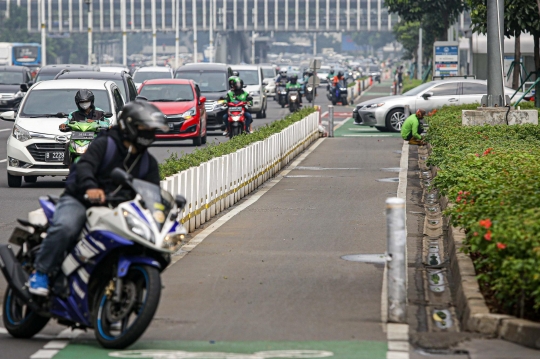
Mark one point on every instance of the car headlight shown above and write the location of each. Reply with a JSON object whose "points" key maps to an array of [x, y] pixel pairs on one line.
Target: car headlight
{"points": [[80, 148], [373, 105], [21, 134], [255, 93], [190, 113], [19, 94], [138, 227]]}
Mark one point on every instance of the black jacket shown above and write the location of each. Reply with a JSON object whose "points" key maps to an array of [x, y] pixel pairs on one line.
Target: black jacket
{"points": [[90, 174]]}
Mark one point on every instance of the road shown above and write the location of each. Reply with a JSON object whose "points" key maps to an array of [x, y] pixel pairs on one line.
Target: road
{"points": [[17, 202]]}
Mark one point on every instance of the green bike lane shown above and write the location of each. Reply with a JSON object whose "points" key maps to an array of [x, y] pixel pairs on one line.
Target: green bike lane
{"points": [[270, 282]]}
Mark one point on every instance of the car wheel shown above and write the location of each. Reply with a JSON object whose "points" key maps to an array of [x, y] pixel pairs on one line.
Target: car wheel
{"points": [[204, 138], [259, 114], [395, 119], [197, 141], [14, 181], [30, 179]]}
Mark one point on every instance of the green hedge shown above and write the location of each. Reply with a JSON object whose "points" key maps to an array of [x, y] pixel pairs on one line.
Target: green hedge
{"points": [[175, 163], [491, 174]]}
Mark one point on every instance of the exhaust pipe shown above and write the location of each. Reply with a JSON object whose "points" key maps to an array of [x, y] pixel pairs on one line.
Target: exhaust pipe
{"points": [[14, 273]]}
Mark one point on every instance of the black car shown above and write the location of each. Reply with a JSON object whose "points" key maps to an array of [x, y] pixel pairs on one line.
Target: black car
{"points": [[14, 82], [49, 72], [213, 80], [123, 80]]}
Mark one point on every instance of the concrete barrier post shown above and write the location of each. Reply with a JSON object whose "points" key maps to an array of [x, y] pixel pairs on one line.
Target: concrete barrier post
{"points": [[396, 265], [330, 121]]}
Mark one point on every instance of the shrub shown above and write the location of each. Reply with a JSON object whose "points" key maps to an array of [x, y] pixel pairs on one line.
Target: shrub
{"points": [[491, 174], [175, 163]]}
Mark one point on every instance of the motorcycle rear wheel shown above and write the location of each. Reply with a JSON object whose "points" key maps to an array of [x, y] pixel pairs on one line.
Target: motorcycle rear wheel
{"points": [[19, 320], [141, 291]]}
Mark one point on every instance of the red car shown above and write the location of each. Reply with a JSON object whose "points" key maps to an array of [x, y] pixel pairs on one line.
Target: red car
{"points": [[181, 102]]}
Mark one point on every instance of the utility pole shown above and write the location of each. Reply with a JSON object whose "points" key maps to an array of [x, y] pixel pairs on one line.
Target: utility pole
{"points": [[212, 15], [253, 47], [177, 34], [90, 25], [495, 85], [194, 11], [154, 35], [420, 54], [43, 35], [124, 33]]}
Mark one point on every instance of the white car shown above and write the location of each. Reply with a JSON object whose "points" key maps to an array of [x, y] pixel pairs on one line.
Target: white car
{"points": [[269, 87], [36, 145], [253, 80], [152, 73]]}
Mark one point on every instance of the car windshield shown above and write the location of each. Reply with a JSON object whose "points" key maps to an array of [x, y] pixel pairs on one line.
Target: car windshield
{"points": [[46, 102], [46, 77], [415, 91], [11, 78], [141, 76], [208, 81], [250, 77], [167, 93], [268, 72], [374, 68]]}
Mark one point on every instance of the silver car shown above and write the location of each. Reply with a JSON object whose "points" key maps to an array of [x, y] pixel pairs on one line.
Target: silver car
{"points": [[252, 76], [387, 113]]}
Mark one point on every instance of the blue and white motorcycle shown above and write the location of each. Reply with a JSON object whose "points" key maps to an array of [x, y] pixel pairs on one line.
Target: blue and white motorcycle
{"points": [[110, 281]]}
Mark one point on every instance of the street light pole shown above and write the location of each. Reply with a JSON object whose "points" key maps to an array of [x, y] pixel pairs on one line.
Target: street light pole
{"points": [[194, 10], [89, 4], [177, 34], [495, 84], [154, 39], [124, 33], [212, 7], [43, 36]]}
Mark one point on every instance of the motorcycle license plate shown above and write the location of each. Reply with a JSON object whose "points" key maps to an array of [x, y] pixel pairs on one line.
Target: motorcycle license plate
{"points": [[54, 156], [82, 136], [235, 109]]}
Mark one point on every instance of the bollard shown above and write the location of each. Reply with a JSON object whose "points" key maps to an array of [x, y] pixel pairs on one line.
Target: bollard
{"points": [[396, 265], [330, 121]]}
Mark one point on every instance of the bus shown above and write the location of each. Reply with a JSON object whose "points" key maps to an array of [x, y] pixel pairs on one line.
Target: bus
{"points": [[20, 54]]}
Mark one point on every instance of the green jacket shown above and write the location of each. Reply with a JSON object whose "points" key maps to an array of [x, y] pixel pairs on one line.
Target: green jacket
{"points": [[243, 97], [96, 114], [290, 85], [410, 126]]}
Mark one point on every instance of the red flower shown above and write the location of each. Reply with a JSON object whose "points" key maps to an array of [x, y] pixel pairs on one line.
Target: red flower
{"points": [[477, 155], [487, 236], [475, 234], [460, 192], [458, 199], [501, 245], [486, 223]]}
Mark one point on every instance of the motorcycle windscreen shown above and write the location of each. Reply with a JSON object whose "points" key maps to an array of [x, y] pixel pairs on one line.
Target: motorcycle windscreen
{"points": [[158, 201]]}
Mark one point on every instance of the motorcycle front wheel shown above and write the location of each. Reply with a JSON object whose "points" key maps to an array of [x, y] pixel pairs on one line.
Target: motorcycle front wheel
{"points": [[117, 325], [236, 131], [19, 320]]}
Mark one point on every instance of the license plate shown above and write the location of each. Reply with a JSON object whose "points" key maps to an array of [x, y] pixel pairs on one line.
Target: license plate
{"points": [[54, 156], [82, 136], [171, 126], [235, 109]]}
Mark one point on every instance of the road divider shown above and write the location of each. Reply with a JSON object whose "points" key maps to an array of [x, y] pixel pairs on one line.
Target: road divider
{"points": [[218, 183]]}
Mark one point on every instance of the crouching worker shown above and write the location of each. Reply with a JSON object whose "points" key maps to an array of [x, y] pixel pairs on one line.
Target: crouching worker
{"points": [[412, 128]]}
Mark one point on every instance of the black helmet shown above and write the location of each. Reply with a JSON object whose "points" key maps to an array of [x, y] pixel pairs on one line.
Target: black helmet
{"points": [[294, 78], [139, 122], [84, 95], [340, 74], [236, 73]]}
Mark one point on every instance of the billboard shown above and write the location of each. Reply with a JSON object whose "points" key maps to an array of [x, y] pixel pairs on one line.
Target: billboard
{"points": [[446, 58]]}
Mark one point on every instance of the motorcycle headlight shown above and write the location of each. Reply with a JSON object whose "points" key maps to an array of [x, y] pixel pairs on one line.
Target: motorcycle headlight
{"points": [[293, 98], [309, 88], [80, 148], [343, 89], [173, 241], [190, 113], [235, 118], [21, 134], [138, 227]]}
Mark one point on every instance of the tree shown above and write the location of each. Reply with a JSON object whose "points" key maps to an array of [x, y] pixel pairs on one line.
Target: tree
{"points": [[444, 13], [407, 35]]}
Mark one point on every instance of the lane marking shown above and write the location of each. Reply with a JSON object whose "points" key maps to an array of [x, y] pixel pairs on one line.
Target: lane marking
{"points": [[3, 331], [51, 348], [6, 129], [4, 160], [195, 241], [367, 135]]}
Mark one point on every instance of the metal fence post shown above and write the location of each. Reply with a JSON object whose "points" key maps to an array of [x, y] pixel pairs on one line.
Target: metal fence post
{"points": [[330, 121], [397, 266]]}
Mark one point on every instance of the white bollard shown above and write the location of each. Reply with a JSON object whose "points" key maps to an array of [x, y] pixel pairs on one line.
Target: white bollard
{"points": [[396, 265]]}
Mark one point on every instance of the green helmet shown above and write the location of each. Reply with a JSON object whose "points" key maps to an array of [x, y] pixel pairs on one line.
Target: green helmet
{"points": [[235, 83]]}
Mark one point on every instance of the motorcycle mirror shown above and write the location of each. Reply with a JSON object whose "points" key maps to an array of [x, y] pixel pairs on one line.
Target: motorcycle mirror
{"points": [[24, 87], [180, 201], [121, 177], [141, 98], [61, 114], [108, 114]]}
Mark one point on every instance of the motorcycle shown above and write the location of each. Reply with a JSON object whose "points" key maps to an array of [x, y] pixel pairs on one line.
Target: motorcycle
{"points": [[338, 93], [83, 133], [293, 99], [110, 281], [282, 94], [237, 119], [309, 93]]}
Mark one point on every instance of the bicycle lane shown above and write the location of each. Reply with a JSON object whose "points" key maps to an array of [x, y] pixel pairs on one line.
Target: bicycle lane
{"points": [[271, 281]]}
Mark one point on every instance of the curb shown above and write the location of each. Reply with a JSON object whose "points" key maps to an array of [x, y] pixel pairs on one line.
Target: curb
{"points": [[471, 307]]}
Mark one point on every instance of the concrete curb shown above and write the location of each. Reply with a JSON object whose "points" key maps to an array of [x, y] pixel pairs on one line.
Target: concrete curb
{"points": [[471, 307]]}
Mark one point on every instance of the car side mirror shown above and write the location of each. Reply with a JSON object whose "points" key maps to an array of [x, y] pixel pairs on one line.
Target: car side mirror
{"points": [[121, 177], [24, 87], [141, 98], [427, 95], [8, 116], [202, 99], [180, 201]]}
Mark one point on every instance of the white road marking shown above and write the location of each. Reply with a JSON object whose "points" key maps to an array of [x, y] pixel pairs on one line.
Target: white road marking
{"points": [[50, 349], [185, 249], [4, 160], [3, 331], [5, 129], [44, 354], [368, 135]]}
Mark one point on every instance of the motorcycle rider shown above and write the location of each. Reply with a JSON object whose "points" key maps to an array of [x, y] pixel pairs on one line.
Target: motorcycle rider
{"points": [[238, 94], [86, 110], [329, 77], [123, 146], [338, 78], [294, 85], [282, 77]]}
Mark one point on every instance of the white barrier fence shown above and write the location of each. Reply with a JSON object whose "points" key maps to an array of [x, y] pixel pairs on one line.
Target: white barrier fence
{"points": [[219, 183]]}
